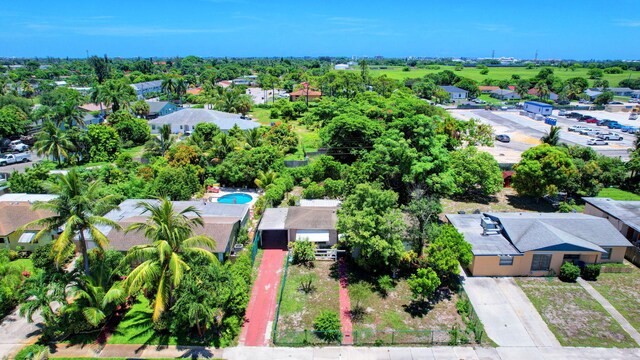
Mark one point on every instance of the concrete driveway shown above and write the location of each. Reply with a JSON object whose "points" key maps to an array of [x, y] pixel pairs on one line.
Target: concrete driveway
{"points": [[507, 314], [17, 332]]}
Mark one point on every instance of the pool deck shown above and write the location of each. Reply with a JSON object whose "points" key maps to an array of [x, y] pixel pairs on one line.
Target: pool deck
{"points": [[227, 191]]}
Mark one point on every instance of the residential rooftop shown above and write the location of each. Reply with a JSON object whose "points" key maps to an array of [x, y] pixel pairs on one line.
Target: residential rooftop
{"points": [[193, 117], [626, 210]]}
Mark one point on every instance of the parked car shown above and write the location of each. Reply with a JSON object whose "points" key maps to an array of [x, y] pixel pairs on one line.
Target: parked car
{"points": [[539, 117], [596, 142], [614, 125], [616, 103], [577, 128], [603, 122], [17, 145], [574, 115], [591, 120], [8, 159], [503, 138], [562, 112], [610, 136], [633, 116], [631, 129], [585, 130]]}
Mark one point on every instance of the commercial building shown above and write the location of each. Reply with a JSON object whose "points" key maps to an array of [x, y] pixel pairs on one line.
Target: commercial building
{"points": [[537, 244], [538, 108]]}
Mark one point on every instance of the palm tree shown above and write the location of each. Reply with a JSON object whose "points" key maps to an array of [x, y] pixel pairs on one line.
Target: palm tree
{"points": [[168, 86], [160, 264], [39, 297], [75, 210], [542, 89], [117, 95], [68, 114], [53, 142], [265, 179], [180, 87], [253, 138], [228, 102], [552, 137], [89, 296]]}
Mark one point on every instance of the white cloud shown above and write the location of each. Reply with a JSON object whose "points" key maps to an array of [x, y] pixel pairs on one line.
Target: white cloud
{"points": [[628, 23]]}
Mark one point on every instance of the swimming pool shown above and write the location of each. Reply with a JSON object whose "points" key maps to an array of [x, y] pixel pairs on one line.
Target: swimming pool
{"points": [[235, 198]]}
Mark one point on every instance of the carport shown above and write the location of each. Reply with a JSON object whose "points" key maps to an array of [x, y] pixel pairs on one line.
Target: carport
{"points": [[273, 233]]}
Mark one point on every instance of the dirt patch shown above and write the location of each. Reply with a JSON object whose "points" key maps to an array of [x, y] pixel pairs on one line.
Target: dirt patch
{"points": [[622, 289], [507, 200]]}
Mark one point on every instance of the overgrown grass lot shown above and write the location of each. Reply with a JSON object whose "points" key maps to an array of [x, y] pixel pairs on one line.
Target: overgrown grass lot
{"points": [[497, 73], [575, 318], [506, 200], [623, 292], [299, 306]]}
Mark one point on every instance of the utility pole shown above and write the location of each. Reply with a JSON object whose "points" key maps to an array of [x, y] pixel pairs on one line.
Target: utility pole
{"points": [[493, 54], [535, 59]]}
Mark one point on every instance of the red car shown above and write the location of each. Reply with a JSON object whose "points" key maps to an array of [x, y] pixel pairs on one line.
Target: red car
{"points": [[591, 121]]}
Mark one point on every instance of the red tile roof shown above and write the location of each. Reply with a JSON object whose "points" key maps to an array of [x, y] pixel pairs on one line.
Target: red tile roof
{"points": [[93, 107], [303, 92], [488, 88], [194, 91]]}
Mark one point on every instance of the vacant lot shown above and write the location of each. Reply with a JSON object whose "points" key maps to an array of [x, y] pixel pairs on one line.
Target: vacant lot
{"points": [[617, 194], [622, 289], [573, 315], [505, 200], [298, 308], [498, 73]]}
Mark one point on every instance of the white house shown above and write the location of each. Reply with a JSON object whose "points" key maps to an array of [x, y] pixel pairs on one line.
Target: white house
{"points": [[144, 88], [341, 67], [187, 119], [455, 92]]}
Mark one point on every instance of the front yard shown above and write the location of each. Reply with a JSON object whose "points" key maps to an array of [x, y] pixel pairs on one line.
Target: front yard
{"points": [[298, 308], [575, 318], [622, 290]]}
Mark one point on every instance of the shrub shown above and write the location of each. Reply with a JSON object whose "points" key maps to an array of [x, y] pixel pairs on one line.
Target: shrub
{"points": [[304, 252], [327, 326], [33, 352], [313, 191], [293, 200], [385, 284], [591, 272], [306, 283], [423, 283], [569, 272]]}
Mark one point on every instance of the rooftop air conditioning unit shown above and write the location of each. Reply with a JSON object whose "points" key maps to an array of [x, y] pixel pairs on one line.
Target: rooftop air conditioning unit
{"points": [[490, 227]]}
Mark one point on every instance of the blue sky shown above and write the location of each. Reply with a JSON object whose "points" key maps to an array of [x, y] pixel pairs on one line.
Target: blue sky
{"points": [[556, 29]]}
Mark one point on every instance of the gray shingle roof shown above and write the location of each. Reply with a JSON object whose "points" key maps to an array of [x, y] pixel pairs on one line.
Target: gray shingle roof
{"points": [[627, 211], [193, 117], [538, 231], [156, 106], [147, 85], [452, 89], [299, 218]]}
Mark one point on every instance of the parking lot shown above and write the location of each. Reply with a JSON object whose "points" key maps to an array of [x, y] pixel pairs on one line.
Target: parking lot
{"points": [[526, 132]]}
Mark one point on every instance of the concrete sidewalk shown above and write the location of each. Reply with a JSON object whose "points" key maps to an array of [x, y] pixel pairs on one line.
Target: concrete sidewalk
{"points": [[507, 314], [16, 332], [357, 353], [611, 310]]}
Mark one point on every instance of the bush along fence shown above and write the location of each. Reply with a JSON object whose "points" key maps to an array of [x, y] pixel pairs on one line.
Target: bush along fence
{"points": [[254, 247]]}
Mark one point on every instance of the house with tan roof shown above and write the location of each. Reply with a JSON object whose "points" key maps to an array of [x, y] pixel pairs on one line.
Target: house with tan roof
{"points": [[221, 223], [313, 95], [537, 244], [16, 212]]}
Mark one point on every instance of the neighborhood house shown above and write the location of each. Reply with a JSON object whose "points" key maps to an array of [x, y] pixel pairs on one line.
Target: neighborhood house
{"points": [[537, 244], [281, 226], [16, 212], [623, 215], [221, 222], [186, 120], [148, 87], [455, 93], [160, 108], [503, 94]]}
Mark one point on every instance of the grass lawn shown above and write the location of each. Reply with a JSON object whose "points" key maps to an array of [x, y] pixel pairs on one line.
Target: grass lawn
{"points": [[134, 151], [262, 115], [621, 289], [617, 194], [136, 328], [573, 315], [490, 100], [506, 200], [308, 140], [498, 73], [298, 309], [22, 265]]}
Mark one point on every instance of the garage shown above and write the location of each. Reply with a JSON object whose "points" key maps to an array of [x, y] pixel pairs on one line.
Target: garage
{"points": [[274, 239], [315, 236]]}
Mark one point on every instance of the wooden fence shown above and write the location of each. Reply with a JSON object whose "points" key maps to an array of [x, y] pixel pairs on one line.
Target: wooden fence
{"points": [[633, 255]]}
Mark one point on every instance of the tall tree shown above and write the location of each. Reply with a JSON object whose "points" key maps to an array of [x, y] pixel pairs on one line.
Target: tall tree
{"points": [[160, 264], [53, 142], [100, 68], [75, 210], [423, 210], [551, 137], [116, 94]]}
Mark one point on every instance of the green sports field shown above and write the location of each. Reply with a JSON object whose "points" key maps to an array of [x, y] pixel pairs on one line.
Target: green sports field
{"points": [[499, 73]]}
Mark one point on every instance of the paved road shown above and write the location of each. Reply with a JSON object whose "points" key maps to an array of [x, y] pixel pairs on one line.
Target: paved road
{"points": [[21, 166], [507, 314], [16, 332]]}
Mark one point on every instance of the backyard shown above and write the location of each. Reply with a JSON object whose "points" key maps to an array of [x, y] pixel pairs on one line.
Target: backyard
{"points": [[299, 306], [621, 289], [574, 317], [506, 200]]}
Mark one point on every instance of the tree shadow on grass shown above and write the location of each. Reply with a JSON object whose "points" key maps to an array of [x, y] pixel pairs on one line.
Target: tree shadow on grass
{"points": [[418, 308]]}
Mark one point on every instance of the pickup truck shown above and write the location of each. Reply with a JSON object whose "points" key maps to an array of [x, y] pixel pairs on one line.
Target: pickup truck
{"points": [[8, 159], [17, 145]]}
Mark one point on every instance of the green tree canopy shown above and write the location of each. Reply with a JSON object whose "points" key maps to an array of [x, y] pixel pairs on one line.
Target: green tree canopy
{"points": [[543, 170]]}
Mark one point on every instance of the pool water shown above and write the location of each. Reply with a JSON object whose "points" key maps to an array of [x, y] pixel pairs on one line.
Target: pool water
{"points": [[237, 198]]}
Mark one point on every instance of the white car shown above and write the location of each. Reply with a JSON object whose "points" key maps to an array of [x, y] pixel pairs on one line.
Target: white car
{"points": [[17, 145], [576, 128], [610, 136], [585, 130], [596, 142]]}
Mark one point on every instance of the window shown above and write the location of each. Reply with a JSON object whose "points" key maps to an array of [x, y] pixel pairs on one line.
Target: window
{"points": [[540, 262], [606, 256], [506, 260]]}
